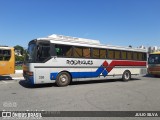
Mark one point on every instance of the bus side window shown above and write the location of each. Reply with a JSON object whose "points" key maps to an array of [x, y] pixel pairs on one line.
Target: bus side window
{"points": [[86, 52], [140, 56], [117, 54], [59, 51], [144, 56], [135, 56], [110, 54], [103, 53], [63, 50], [68, 51], [95, 53], [129, 55], [124, 55], [77, 52]]}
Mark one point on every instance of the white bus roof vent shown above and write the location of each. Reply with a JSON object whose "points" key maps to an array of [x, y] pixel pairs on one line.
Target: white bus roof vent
{"points": [[73, 39]]}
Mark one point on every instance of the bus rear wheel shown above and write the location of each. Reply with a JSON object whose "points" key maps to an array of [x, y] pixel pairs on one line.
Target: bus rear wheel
{"points": [[126, 75], [63, 79]]}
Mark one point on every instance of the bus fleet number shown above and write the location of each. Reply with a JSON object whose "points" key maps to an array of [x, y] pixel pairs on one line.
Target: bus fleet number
{"points": [[41, 77]]}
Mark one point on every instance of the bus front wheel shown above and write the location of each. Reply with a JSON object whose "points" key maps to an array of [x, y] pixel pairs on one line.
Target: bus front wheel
{"points": [[126, 75], [63, 79]]}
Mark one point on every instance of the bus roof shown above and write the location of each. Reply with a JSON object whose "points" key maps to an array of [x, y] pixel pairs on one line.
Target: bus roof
{"points": [[5, 47], [158, 52], [67, 40]]}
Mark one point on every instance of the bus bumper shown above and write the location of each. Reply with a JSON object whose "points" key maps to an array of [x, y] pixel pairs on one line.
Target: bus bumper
{"points": [[30, 79]]}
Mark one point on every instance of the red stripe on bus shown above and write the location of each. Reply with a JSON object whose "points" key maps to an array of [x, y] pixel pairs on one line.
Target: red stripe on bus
{"points": [[122, 63], [154, 68]]}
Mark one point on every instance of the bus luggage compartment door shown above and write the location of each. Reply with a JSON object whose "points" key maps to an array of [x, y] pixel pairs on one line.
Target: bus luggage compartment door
{"points": [[42, 75]]}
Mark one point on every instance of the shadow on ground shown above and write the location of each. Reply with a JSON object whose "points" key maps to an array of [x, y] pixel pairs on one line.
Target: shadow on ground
{"points": [[25, 84], [152, 76], [5, 78]]}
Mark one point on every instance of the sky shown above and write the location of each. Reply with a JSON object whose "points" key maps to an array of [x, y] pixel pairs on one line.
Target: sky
{"points": [[112, 22]]}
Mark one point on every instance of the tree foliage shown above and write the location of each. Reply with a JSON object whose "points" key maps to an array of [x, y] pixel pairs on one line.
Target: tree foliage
{"points": [[18, 47], [19, 58]]}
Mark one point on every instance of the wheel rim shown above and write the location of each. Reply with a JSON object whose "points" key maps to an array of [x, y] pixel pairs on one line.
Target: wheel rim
{"points": [[127, 76], [63, 78]]}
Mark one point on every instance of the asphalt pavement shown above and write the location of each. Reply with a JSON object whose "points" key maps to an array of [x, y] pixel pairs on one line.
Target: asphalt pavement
{"points": [[140, 94], [18, 75]]}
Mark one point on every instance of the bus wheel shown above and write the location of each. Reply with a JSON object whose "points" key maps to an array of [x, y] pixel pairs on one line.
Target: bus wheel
{"points": [[63, 79], [126, 75]]}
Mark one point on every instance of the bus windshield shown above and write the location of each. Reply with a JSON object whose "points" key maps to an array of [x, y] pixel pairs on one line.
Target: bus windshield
{"points": [[154, 59], [37, 53], [30, 56]]}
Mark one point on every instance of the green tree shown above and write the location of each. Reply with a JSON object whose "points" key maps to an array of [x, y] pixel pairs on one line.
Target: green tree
{"points": [[19, 58], [18, 47]]}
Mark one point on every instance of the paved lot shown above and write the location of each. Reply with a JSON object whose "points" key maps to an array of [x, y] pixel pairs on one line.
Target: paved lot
{"points": [[141, 94]]}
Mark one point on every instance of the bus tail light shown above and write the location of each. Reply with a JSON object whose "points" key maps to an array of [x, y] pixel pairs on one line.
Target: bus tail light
{"points": [[29, 73]]}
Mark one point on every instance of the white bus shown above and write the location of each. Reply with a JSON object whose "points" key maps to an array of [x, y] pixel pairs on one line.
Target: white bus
{"points": [[63, 59]]}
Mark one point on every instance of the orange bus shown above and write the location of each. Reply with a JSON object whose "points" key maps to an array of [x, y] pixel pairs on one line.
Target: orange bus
{"points": [[7, 60]]}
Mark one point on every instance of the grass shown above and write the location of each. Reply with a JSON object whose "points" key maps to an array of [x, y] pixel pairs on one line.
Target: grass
{"points": [[18, 67]]}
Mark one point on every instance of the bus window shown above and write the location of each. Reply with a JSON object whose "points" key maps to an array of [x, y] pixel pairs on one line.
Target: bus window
{"points": [[95, 53], [135, 56], [117, 54], [86, 52], [77, 52], [110, 54], [102, 53], [1, 55], [68, 51], [140, 56], [63, 50], [43, 52], [5, 55], [129, 55], [144, 56], [124, 55], [154, 59]]}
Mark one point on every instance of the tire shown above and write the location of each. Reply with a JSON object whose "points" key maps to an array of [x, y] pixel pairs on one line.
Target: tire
{"points": [[126, 75], [63, 79]]}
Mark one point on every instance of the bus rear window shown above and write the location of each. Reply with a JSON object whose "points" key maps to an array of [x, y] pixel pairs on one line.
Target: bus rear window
{"points": [[5, 55]]}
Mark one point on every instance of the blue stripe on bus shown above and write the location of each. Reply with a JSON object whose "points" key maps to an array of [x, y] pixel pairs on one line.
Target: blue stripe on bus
{"points": [[97, 73], [83, 74], [53, 76], [105, 73]]}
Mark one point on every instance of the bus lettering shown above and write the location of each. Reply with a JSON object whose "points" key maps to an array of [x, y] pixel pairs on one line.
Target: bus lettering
{"points": [[79, 62]]}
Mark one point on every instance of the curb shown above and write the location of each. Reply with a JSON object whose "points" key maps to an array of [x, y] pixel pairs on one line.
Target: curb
{"points": [[18, 71], [17, 78]]}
